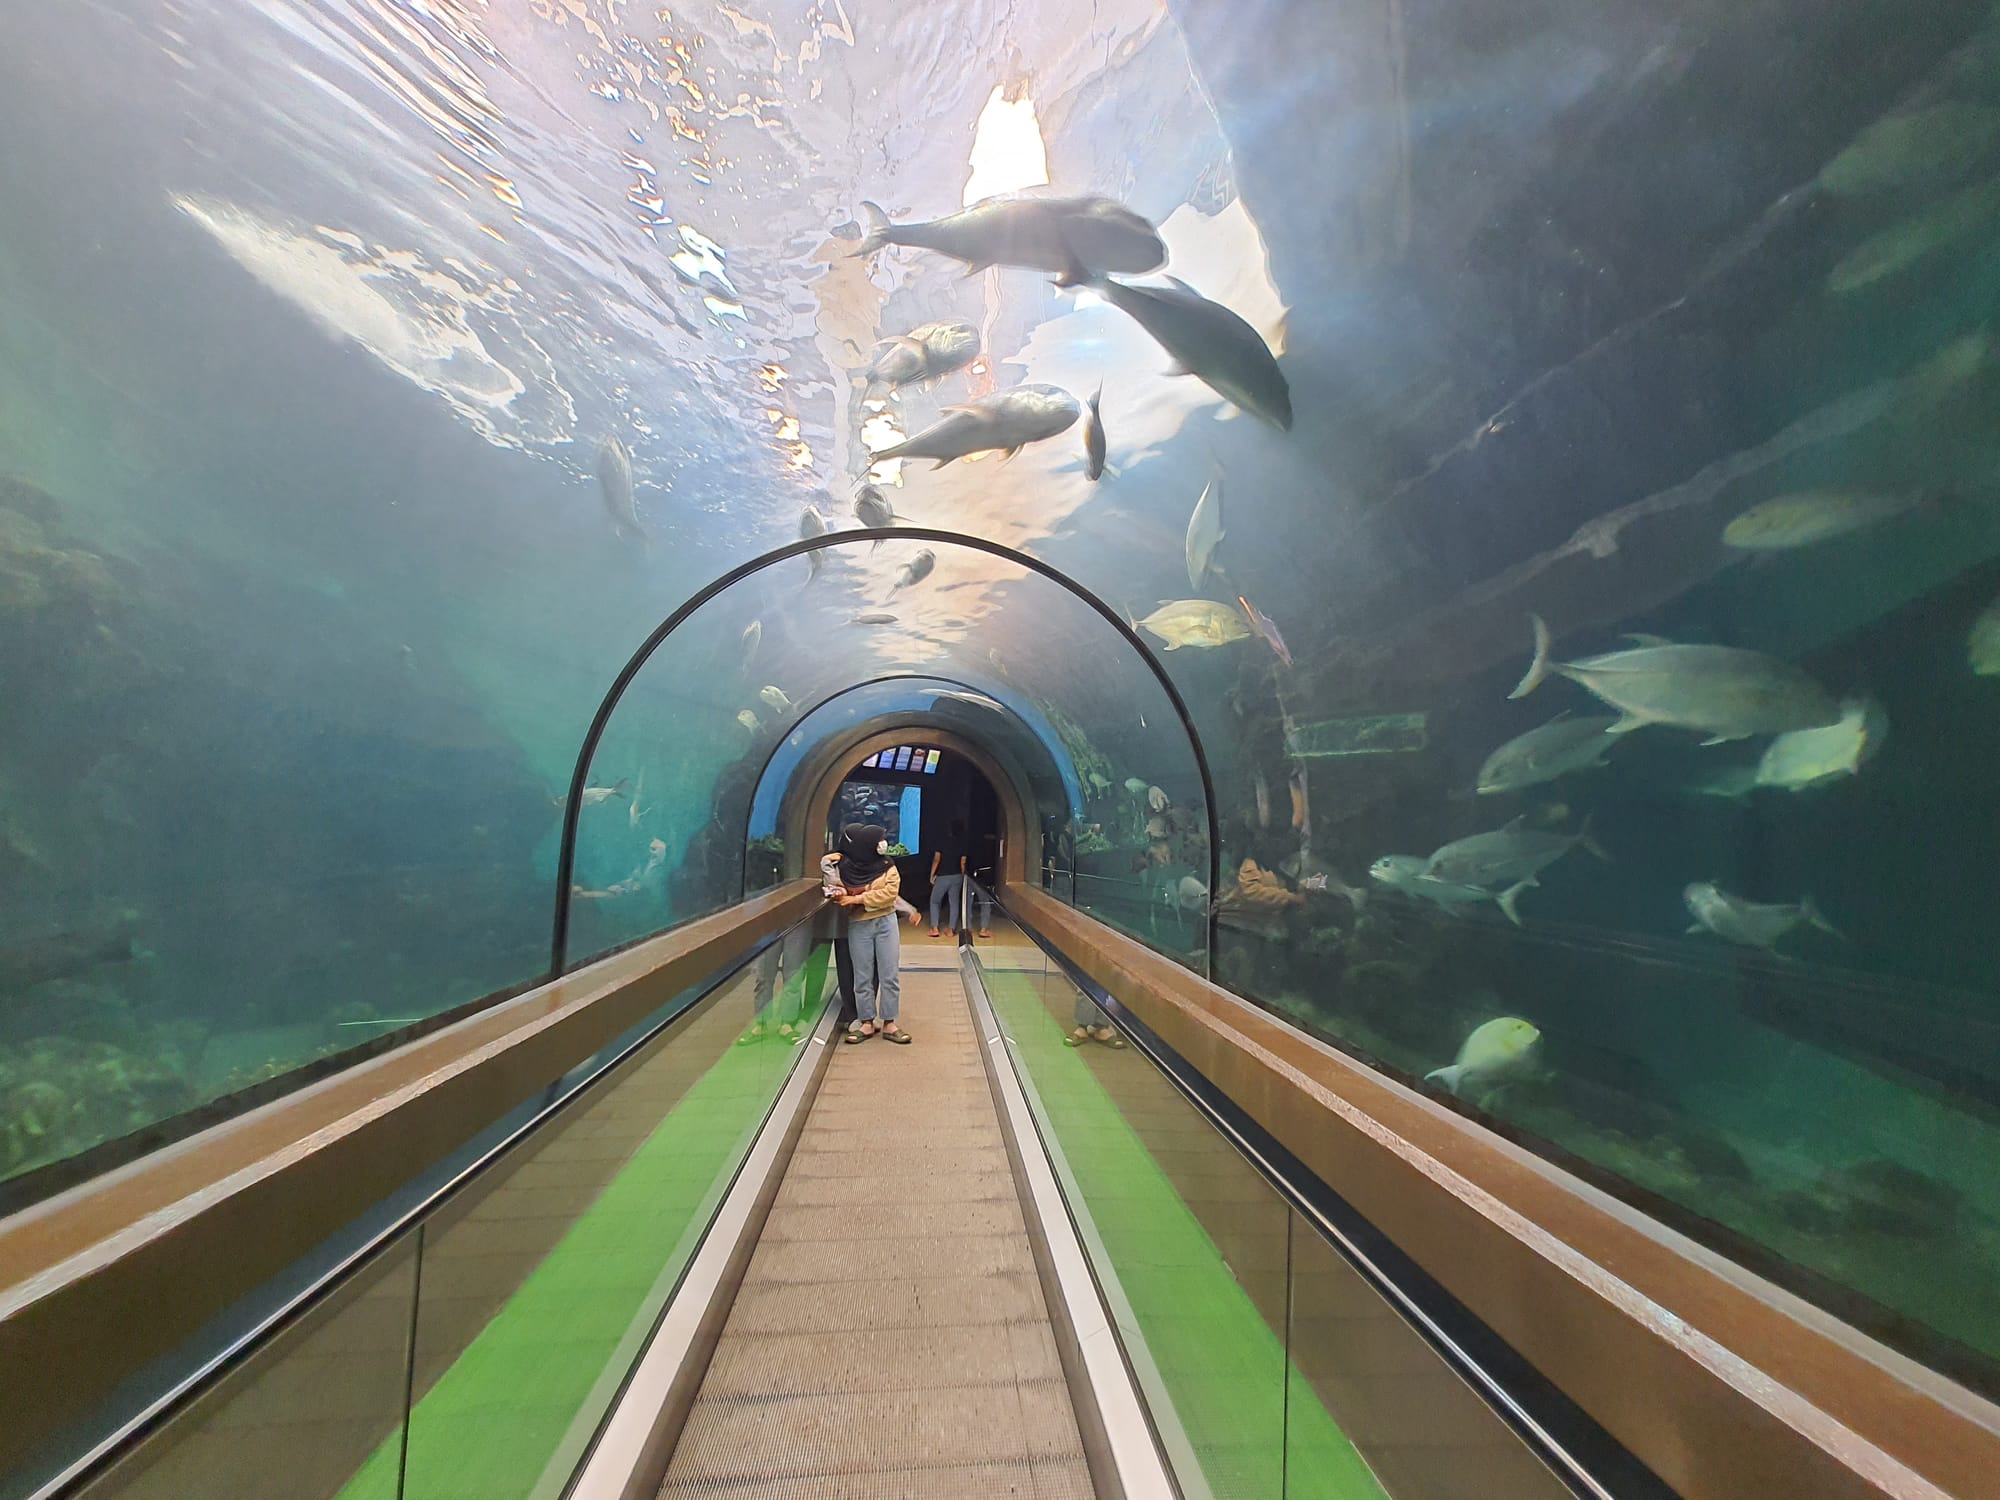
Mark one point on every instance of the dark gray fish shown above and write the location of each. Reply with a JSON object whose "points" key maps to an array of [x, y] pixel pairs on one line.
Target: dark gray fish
{"points": [[1093, 435], [1005, 420], [1042, 234], [62, 955], [1207, 341], [917, 571], [614, 478]]}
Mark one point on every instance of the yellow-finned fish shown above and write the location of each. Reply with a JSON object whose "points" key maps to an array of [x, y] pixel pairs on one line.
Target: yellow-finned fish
{"points": [[1201, 623], [1495, 1048]]}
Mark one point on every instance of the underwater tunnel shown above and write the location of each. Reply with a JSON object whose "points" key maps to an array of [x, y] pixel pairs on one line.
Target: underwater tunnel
{"points": [[1393, 613]]}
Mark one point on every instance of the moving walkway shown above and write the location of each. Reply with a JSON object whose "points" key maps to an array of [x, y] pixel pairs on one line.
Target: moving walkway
{"points": [[686, 1254]]}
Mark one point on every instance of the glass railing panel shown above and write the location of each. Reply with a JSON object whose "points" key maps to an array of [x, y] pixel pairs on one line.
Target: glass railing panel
{"points": [[542, 1283], [1364, 1381], [302, 1415], [1187, 1242]]}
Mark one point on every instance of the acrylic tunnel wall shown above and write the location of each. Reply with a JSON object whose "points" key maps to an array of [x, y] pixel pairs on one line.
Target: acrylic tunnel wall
{"points": [[802, 646], [1672, 322]]}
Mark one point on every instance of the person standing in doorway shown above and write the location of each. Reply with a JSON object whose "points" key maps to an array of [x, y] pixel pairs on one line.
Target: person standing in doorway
{"points": [[948, 875], [870, 884]]}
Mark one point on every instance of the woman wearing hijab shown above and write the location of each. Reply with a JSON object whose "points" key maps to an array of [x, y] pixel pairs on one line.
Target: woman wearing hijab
{"points": [[869, 886]]}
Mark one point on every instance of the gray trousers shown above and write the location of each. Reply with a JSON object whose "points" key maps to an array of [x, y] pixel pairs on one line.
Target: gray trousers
{"points": [[788, 954], [877, 950], [962, 888]]}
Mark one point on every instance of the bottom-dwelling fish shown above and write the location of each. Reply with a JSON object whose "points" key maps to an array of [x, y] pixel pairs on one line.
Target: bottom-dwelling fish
{"points": [[1751, 923]]}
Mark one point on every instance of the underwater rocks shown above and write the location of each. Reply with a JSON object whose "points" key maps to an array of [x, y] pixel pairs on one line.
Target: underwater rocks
{"points": [[1877, 1196], [60, 1095]]}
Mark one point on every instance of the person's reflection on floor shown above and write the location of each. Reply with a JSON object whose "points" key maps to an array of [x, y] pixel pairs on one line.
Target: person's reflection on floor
{"points": [[780, 976], [1092, 1025]]}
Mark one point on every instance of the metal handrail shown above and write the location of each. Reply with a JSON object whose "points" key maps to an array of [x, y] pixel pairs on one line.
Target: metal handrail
{"points": [[573, 804]]}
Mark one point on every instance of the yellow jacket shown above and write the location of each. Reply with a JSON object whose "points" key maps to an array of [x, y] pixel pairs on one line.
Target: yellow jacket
{"points": [[878, 897]]}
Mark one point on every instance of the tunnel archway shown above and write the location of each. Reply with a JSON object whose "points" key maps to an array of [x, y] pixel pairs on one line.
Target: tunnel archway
{"points": [[1180, 721]]}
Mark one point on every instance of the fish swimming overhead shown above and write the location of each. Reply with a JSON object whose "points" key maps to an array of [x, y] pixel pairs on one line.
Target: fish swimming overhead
{"points": [[614, 479], [1041, 234], [927, 353], [1810, 516], [1730, 693], [875, 617], [1005, 420], [1808, 757], [1405, 873], [1495, 1048], [1561, 746], [1157, 799], [1982, 642], [749, 721], [1753, 924], [1512, 855], [753, 634], [1201, 623], [1206, 340], [1093, 435], [873, 510], [1135, 786], [812, 524], [776, 698], [1204, 533], [916, 571]]}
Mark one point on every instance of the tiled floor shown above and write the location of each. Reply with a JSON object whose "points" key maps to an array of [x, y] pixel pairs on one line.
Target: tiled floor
{"points": [[890, 1341]]}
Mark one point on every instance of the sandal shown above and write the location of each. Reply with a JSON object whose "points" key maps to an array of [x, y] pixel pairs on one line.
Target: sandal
{"points": [[1077, 1037], [899, 1036], [936, 933], [1115, 1042], [752, 1037], [856, 1035]]}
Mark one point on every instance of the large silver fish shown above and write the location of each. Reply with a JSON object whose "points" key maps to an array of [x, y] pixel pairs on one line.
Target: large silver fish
{"points": [[1730, 693], [1207, 341], [1559, 747], [1043, 234], [1093, 436], [614, 479], [928, 353], [1512, 855], [1204, 532], [1005, 420], [1753, 924], [873, 510], [1405, 873]]}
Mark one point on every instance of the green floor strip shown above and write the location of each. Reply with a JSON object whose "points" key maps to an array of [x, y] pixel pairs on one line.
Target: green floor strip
{"points": [[1224, 1368], [488, 1427]]}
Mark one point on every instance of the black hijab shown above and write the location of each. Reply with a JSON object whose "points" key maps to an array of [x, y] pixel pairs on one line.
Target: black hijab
{"points": [[860, 863]]}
